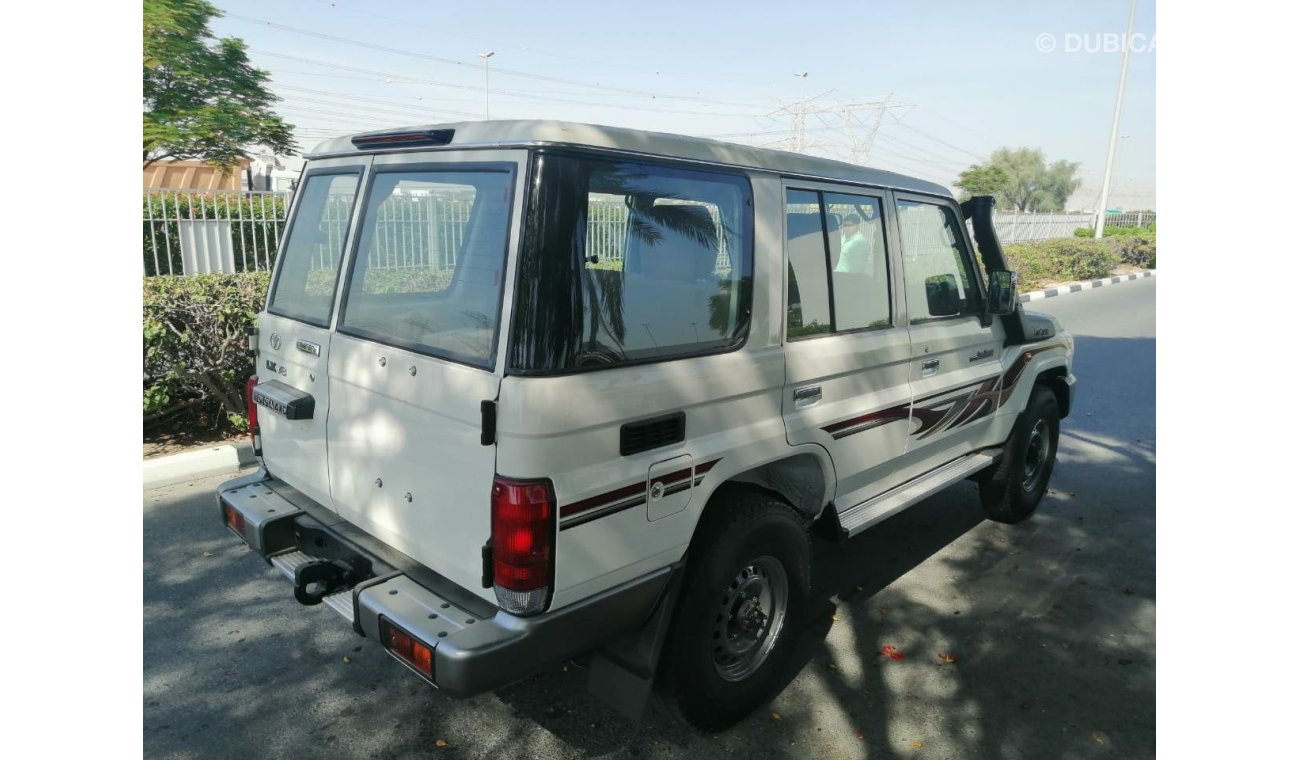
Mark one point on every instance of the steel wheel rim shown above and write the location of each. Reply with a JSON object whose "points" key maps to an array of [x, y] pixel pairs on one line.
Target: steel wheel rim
{"points": [[749, 618], [1036, 454]]}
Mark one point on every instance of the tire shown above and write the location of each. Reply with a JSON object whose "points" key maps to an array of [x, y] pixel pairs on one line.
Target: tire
{"points": [[726, 654], [1011, 492]]}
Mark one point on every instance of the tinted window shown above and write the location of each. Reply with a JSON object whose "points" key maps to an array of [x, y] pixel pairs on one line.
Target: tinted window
{"points": [[309, 263], [628, 262], [808, 308], [430, 261], [860, 278], [938, 274], [844, 235]]}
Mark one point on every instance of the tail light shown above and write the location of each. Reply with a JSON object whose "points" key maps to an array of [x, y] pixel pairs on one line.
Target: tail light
{"points": [[251, 406], [408, 649], [523, 544], [235, 521]]}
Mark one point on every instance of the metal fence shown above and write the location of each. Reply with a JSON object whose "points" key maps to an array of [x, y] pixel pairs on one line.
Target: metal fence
{"points": [[189, 232], [1025, 227], [1132, 219], [607, 224]]}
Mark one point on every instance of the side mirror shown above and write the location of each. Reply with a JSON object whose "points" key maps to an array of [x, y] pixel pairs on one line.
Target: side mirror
{"points": [[942, 296], [1003, 298]]}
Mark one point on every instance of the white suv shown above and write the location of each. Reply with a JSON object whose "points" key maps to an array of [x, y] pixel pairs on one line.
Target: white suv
{"points": [[532, 390]]}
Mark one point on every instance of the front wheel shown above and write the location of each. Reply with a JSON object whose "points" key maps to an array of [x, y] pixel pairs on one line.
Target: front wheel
{"points": [[746, 586], [1012, 491]]}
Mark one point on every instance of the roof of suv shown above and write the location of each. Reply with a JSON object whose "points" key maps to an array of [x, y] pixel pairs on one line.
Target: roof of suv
{"points": [[526, 133]]}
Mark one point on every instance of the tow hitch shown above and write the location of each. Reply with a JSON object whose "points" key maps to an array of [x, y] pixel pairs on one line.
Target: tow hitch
{"points": [[335, 567], [316, 580]]}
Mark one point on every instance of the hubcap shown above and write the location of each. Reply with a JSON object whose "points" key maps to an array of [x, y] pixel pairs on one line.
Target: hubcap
{"points": [[749, 618], [1036, 454]]}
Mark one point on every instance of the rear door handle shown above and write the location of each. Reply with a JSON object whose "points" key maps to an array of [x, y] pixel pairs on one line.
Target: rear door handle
{"points": [[929, 367], [807, 396]]}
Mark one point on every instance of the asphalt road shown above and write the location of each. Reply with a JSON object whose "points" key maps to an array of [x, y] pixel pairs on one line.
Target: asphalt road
{"points": [[1052, 624]]}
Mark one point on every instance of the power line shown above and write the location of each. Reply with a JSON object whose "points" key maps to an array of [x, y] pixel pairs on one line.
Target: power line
{"points": [[926, 135], [470, 88], [499, 70], [585, 60]]}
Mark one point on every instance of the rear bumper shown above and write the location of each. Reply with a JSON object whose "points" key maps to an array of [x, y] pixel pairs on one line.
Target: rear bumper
{"points": [[476, 647]]}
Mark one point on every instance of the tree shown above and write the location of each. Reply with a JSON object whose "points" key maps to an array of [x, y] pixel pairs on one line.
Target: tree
{"points": [[1022, 180], [202, 98], [983, 180]]}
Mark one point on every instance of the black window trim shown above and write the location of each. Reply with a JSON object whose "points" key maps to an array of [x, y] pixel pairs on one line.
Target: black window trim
{"points": [[883, 198], [359, 170], [743, 329], [967, 255], [488, 167]]}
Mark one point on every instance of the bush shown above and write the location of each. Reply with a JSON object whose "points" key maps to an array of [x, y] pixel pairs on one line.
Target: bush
{"points": [[1061, 260], [1087, 232], [1138, 250], [195, 343]]}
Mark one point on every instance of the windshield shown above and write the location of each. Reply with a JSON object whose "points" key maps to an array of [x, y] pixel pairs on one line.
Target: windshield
{"points": [[430, 262], [626, 262]]}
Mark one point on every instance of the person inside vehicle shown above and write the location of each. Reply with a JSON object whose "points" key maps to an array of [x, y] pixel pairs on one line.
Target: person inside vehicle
{"points": [[855, 250]]}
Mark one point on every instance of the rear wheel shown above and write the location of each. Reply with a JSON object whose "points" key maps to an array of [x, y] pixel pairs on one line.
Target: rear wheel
{"points": [[745, 589], [1012, 491]]}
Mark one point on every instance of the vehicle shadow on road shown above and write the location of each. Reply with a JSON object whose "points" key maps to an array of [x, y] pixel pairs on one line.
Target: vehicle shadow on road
{"points": [[1051, 624]]}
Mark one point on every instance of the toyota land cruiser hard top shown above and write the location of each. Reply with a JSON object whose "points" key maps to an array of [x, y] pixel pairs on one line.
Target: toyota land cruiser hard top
{"points": [[531, 390]]}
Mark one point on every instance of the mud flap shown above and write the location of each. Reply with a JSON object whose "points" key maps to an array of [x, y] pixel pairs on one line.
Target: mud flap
{"points": [[623, 672]]}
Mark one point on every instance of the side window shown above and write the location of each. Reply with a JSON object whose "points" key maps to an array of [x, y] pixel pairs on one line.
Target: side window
{"points": [[808, 306], [938, 274], [843, 236], [860, 277], [430, 262], [659, 279], [309, 269]]}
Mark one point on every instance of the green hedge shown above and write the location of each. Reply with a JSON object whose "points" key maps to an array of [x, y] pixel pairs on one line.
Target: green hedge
{"points": [[196, 345], [1060, 260], [1087, 232]]}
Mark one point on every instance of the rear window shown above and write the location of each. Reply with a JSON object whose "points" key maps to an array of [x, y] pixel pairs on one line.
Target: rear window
{"points": [[430, 262], [628, 262], [309, 262]]}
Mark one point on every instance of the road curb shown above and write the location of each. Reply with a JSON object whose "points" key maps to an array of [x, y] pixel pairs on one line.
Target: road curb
{"points": [[1075, 287], [200, 463]]}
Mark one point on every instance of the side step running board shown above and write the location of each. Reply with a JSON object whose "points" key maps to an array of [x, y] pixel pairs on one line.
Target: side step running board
{"points": [[859, 517]]}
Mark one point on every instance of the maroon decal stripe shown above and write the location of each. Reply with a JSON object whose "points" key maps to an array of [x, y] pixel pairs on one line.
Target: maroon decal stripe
{"points": [[618, 494], [602, 499], [892, 413], [934, 396]]}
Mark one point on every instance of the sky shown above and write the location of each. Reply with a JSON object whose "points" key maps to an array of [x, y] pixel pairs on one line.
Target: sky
{"points": [[961, 79]]}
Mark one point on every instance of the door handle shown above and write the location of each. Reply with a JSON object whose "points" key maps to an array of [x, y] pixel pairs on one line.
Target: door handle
{"points": [[807, 396], [929, 367]]}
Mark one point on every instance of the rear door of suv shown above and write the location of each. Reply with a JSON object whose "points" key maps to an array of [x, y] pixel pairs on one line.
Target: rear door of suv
{"points": [[294, 331], [415, 355], [847, 350]]}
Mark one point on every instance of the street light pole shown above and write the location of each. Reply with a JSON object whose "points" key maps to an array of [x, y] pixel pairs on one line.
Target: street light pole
{"points": [[487, 82], [1114, 127]]}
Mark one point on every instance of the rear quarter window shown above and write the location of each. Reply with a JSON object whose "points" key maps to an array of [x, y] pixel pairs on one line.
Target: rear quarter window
{"points": [[628, 262]]}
